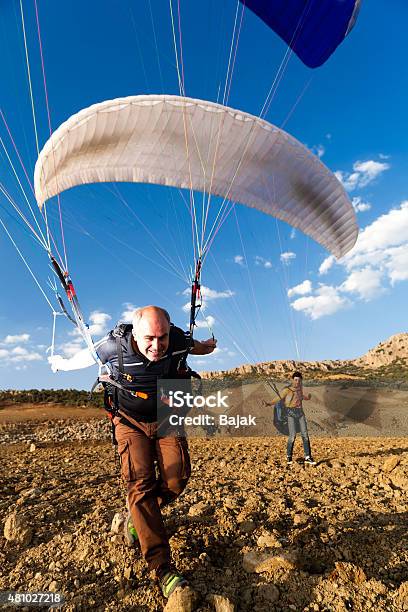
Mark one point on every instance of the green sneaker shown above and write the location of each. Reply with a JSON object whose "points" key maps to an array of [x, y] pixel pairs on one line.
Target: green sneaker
{"points": [[130, 532], [170, 580]]}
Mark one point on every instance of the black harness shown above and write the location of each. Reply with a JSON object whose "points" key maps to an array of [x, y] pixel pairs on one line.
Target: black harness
{"points": [[112, 385]]}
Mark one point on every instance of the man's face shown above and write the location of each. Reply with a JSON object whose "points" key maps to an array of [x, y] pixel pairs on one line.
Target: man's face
{"points": [[152, 336], [297, 381]]}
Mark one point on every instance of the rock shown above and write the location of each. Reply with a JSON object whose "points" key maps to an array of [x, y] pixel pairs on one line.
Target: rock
{"points": [[268, 593], [181, 600], [230, 503], [263, 562], [32, 447], [247, 526], [401, 597], [204, 558], [128, 572], [117, 522], [53, 586], [200, 509], [16, 529], [300, 519], [399, 480], [347, 572], [31, 493], [391, 463], [268, 540], [336, 464], [220, 603]]}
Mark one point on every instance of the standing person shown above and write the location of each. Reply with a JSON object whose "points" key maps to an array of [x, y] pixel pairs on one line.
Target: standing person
{"points": [[293, 398], [136, 356]]}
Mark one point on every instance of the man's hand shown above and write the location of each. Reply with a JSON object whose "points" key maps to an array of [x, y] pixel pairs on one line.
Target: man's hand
{"points": [[204, 347], [56, 362]]}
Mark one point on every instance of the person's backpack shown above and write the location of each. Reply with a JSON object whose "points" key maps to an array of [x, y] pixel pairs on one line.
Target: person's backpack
{"points": [[280, 418]]}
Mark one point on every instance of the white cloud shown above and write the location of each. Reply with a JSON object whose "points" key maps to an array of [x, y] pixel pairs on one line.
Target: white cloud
{"points": [[205, 323], [363, 174], [326, 301], [327, 264], [318, 150], [378, 260], [19, 354], [238, 259], [292, 233], [261, 261], [199, 362], [27, 357], [69, 349], [287, 257], [19, 350], [388, 230], [359, 205], [127, 314], [211, 294], [302, 289], [99, 321], [16, 339], [397, 264], [366, 282], [98, 326]]}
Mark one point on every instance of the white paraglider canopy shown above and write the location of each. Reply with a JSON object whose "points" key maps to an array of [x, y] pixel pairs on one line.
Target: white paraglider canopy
{"points": [[203, 146]]}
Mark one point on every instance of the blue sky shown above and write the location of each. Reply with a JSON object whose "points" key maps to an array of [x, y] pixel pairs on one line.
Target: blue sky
{"points": [[271, 292]]}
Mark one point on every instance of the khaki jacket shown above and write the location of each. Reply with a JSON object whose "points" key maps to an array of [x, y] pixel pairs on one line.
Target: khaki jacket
{"points": [[290, 398]]}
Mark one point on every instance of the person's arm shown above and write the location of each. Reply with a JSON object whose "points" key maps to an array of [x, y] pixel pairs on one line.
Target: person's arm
{"points": [[83, 359], [205, 347]]}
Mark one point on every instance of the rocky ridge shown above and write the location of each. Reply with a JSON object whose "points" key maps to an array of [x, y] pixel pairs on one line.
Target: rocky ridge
{"points": [[389, 359]]}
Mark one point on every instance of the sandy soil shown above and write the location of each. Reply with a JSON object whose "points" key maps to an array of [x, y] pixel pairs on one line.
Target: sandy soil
{"points": [[260, 535], [20, 413]]}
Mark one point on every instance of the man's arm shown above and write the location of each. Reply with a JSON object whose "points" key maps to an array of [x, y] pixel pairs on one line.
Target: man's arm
{"points": [[83, 359], [205, 347]]}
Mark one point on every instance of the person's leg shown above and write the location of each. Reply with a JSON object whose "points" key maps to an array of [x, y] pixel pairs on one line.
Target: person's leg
{"points": [[305, 435], [137, 454], [291, 436], [174, 467]]}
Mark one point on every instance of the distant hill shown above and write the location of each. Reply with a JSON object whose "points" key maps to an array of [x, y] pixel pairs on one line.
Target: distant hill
{"points": [[388, 360]]}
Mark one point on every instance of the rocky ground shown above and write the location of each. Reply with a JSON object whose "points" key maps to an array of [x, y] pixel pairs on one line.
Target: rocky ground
{"points": [[249, 532]]}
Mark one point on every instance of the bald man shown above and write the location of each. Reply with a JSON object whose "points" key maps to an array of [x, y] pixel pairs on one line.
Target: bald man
{"points": [[136, 356]]}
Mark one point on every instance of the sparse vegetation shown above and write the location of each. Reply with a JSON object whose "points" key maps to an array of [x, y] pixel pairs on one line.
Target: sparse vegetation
{"points": [[67, 397]]}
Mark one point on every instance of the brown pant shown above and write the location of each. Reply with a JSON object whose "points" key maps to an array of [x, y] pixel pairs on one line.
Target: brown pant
{"points": [[138, 448]]}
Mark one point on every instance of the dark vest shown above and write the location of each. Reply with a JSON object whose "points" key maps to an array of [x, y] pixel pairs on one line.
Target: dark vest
{"points": [[136, 375]]}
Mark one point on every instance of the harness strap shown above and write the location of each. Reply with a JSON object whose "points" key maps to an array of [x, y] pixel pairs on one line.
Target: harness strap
{"points": [[105, 378], [120, 355]]}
